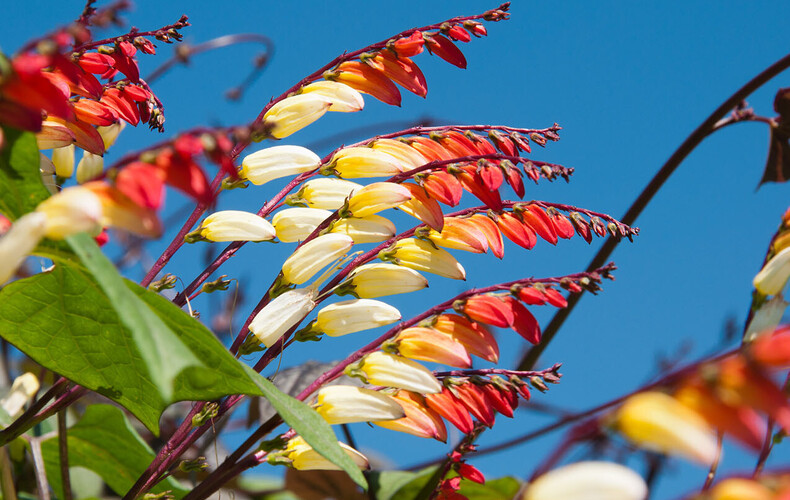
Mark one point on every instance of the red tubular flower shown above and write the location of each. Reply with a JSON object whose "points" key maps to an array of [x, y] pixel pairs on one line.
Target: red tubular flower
{"points": [[408, 46], [581, 226], [135, 93], [143, 183], [458, 144], [555, 298], [745, 385], [521, 142], [85, 135], [534, 217], [477, 29], [182, 171], [366, 79], [475, 338], [449, 407], [461, 234], [471, 473], [513, 177], [430, 149], [125, 107], [562, 226], [419, 421], [772, 350], [473, 398], [473, 182], [516, 231], [498, 399], [94, 62], [444, 48], [423, 207], [492, 176], [524, 323], [125, 62], [402, 71], [488, 309], [443, 187], [531, 296], [95, 113], [459, 34], [489, 228], [503, 143]]}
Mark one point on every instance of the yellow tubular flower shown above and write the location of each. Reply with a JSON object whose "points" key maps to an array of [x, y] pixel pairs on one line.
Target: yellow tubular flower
{"points": [[282, 313], [355, 315], [304, 457], [431, 345], [408, 157], [358, 162], [19, 241], [296, 224], [370, 229], [423, 256], [54, 135], [110, 133], [89, 167], [380, 368], [235, 225], [344, 98], [376, 197], [73, 210], [329, 194], [23, 388], [659, 422], [345, 404], [63, 159], [774, 275], [377, 280], [315, 255], [295, 113], [740, 489], [588, 481], [267, 164], [47, 169]]}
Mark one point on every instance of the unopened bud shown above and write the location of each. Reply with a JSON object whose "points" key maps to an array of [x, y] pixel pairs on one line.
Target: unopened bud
{"points": [[167, 282], [219, 284], [209, 411], [193, 465]]}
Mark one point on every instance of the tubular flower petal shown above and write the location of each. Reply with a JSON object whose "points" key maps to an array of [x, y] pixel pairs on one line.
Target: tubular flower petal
{"points": [[345, 404], [536, 218], [276, 162], [524, 323], [54, 135], [423, 207], [120, 211], [23, 388], [63, 159], [488, 309], [315, 255], [109, 134], [461, 234], [740, 489], [402, 71], [431, 345], [47, 170], [475, 338], [89, 167], [376, 197], [378, 280], [659, 422], [370, 229], [419, 421], [451, 408], [367, 80], [774, 275], [235, 225], [329, 194], [423, 256], [19, 241], [443, 187], [73, 210], [296, 224], [474, 399], [295, 113], [344, 98], [588, 481], [494, 237], [408, 46], [408, 157], [380, 368], [356, 315], [282, 313], [516, 231], [772, 350], [359, 162], [304, 457]]}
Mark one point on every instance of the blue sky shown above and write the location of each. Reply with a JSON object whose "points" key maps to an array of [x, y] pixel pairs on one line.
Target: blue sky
{"points": [[628, 81]]}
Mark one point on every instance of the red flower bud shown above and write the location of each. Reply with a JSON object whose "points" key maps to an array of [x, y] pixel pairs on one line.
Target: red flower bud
{"points": [[409, 46], [471, 473], [444, 48], [488, 309], [516, 231], [449, 407]]}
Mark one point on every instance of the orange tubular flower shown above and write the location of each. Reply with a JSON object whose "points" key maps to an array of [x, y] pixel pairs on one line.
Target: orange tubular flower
{"points": [[430, 148], [741, 384], [459, 144], [524, 323], [536, 218], [444, 48], [423, 207], [367, 80], [408, 156], [562, 226], [516, 231], [419, 421], [443, 187], [473, 398], [401, 70], [493, 236], [473, 181], [461, 234], [427, 344], [475, 338], [488, 309], [451, 408]]}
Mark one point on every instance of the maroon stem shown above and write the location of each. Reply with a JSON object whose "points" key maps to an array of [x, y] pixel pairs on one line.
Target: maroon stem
{"points": [[181, 23], [31, 416], [498, 371]]}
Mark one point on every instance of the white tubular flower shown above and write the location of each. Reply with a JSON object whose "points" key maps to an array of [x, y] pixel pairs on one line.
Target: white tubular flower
{"points": [[588, 481], [377, 280], [235, 225], [89, 167], [74, 210], [370, 229], [282, 313], [315, 255], [295, 113], [279, 161], [423, 256], [109, 134], [47, 170], [380, 368], [774, 275], [405, 154], [358, 162], [21, 391], [344, 98], [304, 457], [766, 318], [351, 316], [54, 135], [345, 404], [659, 422], [296, 224], [63, 159], [328, 193], [376, 197], [19, 241]]}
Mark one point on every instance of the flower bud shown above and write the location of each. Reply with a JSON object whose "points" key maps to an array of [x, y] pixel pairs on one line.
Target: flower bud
{"points": [[304, 457], [23, 388], [315, 255], [380, 368], [362, 161], [423, 256], [278, 161], [344, 98], [356, 315], [89, 167], [774, 275], [588, 481], [109, 133], [295, 113], [659, 422], [73, 210], [19, 241], [235, 225], [282, 313], [419, 421], [345, 404], [370, 229], [63, 159], [296, 224], [376, 197], [378, 280], [329, 194]]}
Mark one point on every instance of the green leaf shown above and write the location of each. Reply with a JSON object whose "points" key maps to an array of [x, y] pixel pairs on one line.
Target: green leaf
{"points": [[503, 488], [384, 484], [105, 442], [310, 425], [411, 490], [21, 188]]}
